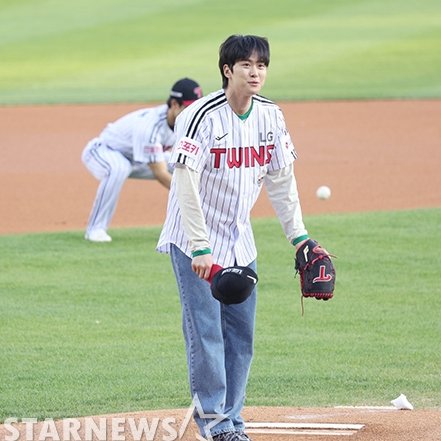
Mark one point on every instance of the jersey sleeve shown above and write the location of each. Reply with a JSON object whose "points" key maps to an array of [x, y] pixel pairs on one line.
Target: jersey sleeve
{"points": [[147, 141], [191, 146], [284, 152], [282, 191]]}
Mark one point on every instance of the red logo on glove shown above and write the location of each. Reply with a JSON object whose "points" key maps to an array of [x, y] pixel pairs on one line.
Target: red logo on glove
{"points": [[322, 277]]}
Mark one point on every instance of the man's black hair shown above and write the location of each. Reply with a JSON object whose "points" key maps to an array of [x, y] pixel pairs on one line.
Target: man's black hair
{"points": [[241, 47]]}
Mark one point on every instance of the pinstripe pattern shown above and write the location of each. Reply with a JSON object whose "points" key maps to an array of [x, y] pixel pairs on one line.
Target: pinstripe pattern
{"points": [[140, 135], [232, 157], [157, 127], [112, 169], [211, 104]]}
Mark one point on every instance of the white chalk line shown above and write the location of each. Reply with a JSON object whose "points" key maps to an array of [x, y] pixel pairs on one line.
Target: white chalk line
{"points": [[367, 407], [351, 410], [323, 429], [332, 426], [316, 432]]}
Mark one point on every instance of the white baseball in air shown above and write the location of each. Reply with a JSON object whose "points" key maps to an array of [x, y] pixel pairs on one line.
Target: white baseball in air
{"points": [[323, 192]]}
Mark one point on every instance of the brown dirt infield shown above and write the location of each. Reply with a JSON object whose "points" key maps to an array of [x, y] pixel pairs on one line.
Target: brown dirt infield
{"points": [[379, 424], [375, 155]]}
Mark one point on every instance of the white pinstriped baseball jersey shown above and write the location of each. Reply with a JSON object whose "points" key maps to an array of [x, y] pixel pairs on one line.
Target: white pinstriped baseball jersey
{"points": [[232, 157], [140, 136]]}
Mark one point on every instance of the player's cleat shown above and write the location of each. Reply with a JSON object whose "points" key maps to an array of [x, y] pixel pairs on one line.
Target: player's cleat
{"points": [[98, 236], [227, 436], [243, 436]]}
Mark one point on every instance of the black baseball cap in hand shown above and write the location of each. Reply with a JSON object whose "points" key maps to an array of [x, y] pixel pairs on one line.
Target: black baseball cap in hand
{"points": [[233, 285], [186, 91]]}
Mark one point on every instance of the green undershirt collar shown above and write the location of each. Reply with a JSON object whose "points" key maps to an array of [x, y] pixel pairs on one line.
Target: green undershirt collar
{"points": [[247, 113]]}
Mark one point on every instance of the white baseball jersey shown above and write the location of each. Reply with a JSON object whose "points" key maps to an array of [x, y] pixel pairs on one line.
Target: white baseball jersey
{"points": [[122, 151], [232, 157], [141, 136]]}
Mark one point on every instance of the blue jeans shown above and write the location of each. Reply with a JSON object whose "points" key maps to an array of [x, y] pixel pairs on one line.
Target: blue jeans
{"points": [[219, 345]]}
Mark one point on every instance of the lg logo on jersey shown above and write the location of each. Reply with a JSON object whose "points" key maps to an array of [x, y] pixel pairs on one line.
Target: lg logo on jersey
{"points": [[268, 138], [235, 157]]}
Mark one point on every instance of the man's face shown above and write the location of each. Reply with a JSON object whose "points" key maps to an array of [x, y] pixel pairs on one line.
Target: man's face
{"points": [[173, 112], [247, 76]]}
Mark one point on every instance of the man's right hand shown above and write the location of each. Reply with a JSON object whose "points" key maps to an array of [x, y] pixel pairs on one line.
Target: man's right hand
{"points": [[201, 265]]}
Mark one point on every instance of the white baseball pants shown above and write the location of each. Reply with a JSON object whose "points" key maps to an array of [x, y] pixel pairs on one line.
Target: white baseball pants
{"points": [[111, 168]]}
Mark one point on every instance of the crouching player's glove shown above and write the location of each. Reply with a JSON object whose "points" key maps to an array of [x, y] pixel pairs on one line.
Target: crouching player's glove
{"points": [[317, 273]]}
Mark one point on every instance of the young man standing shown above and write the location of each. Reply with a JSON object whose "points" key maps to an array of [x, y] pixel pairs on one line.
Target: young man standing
{"points": [[228, 144], [134, 146]]}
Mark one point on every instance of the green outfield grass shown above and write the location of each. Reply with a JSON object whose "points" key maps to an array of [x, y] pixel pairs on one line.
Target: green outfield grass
{"points": [[118, 50], [95, 328]]}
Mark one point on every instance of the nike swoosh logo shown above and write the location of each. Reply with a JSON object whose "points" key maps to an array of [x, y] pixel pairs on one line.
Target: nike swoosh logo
{"points": [[218, 138]]}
